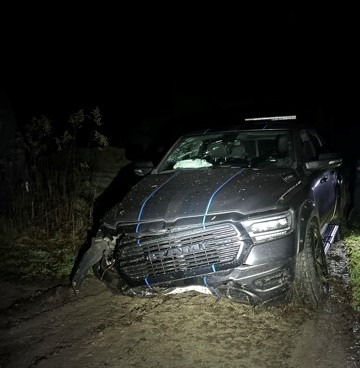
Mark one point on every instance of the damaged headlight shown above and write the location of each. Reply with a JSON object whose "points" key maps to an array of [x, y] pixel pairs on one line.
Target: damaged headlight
{"points": [[263, 229]]}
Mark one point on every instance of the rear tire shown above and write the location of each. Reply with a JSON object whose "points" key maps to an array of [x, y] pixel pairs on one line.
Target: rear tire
{"points": [[311, 273]]}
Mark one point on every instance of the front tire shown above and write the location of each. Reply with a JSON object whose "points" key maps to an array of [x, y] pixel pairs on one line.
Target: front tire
{"points": [[311, 273]]}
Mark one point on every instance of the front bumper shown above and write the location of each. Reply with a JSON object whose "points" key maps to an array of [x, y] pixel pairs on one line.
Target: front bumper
{"points": [[220, 259], [259, 284]]}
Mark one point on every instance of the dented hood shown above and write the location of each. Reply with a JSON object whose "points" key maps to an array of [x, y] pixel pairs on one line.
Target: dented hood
{"points": [[190, 193]]}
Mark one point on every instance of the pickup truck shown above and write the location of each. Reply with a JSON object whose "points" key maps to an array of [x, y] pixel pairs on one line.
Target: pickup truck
{"points": [[247, 212]]}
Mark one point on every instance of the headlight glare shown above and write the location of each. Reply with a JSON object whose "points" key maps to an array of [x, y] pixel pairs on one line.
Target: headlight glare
{"points": [[259, 227], [271, 227]]}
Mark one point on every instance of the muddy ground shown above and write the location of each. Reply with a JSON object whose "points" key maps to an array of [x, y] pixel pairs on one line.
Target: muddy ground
{"points": [[44, 324]]}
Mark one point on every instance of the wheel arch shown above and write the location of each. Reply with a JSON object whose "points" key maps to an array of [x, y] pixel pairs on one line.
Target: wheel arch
{"points": [[307, 212]]}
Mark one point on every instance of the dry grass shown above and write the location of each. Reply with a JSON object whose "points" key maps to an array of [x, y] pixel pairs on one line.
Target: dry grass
{"points": [[47, 202]]}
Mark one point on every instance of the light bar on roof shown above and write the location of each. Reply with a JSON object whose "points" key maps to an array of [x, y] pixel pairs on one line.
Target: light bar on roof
{"points": [[273, 118]]}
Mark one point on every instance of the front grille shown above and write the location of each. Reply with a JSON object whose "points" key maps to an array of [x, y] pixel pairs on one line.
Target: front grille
{"points": [[179, 251]]}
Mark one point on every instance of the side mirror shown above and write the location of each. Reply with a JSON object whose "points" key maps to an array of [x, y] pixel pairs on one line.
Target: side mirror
{"points": [[142, 168], [327, 160]]}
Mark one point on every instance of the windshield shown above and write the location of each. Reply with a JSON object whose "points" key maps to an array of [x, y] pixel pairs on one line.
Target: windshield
{"points": [[265, 148]]}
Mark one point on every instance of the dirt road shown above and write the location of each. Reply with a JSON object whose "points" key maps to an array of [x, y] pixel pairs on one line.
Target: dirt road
{"points": [[46, 325]]}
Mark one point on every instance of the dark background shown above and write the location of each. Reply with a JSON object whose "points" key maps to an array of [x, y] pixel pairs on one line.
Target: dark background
{"points": [[156, 71], [161, 70]]}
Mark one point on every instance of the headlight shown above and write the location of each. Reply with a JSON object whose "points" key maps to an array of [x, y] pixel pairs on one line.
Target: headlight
{"points": [[263, 229]]}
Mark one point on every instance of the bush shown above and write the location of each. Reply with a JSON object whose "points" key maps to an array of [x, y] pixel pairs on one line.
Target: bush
{"points": [[48, 198]]}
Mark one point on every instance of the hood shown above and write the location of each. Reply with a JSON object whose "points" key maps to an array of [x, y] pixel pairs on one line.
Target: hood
{"points": [[191, 193]]}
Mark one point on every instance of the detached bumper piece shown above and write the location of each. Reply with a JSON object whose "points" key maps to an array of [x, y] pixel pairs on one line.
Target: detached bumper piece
{"points": [[89, 258]]}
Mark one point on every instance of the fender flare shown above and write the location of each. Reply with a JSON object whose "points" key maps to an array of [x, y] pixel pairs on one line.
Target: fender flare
{"points": [[306, 212]]}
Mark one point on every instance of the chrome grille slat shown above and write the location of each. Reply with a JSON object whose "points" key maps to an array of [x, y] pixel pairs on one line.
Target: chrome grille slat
{"points": [[179, 251]]}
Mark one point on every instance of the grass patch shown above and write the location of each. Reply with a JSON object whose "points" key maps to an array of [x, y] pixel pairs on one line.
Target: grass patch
{"points": [[351, 239], [24, 260]]}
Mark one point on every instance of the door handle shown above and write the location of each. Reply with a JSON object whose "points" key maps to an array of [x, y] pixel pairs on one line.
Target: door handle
{"points": [[324, 180]]}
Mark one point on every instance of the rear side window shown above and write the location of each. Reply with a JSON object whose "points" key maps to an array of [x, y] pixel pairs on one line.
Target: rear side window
{"points": [[308, 146]]}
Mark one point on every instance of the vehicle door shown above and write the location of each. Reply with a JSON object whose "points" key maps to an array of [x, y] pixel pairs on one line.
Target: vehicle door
{"points": [[323, 181]]}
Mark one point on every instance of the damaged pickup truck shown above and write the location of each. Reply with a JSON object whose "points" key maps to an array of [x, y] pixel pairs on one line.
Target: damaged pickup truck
{"points": [[247, 213]]}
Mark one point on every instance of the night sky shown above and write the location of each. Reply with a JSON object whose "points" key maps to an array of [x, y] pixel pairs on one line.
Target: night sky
{"points": [[140, 66]]}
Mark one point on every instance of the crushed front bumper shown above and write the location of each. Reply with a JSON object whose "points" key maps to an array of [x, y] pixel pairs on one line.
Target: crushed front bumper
{"points": [[260, 284]]}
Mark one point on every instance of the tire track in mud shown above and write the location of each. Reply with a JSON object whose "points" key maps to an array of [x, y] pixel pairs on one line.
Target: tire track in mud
{"points": [[330, 338], [108, 330], [68, 323], [199, 331], [42, 301]]}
